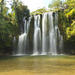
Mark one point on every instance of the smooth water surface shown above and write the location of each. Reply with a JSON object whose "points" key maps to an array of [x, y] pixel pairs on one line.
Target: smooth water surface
{"points": [[37, 65]]}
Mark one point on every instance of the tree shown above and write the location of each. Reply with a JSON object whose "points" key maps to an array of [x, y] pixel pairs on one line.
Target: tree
{"points": [[55, 5], [39, 11], [20, 11], [71, 30], [70, 15], [1, 5]]}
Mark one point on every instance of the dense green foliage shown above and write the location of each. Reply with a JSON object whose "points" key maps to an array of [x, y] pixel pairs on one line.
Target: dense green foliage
{"points": [[56, 5], [10, 24], [70, 15], [20, 12], [70, 29], [39, 11]]}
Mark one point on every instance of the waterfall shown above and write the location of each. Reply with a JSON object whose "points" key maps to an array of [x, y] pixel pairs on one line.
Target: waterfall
{"points": [[53, 49], [37, 35], [58, 36], [44, 32], [22, 44], [45, 35]]}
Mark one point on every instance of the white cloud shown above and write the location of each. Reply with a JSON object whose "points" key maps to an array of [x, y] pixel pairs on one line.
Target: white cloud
{"points": [[34, 4]]}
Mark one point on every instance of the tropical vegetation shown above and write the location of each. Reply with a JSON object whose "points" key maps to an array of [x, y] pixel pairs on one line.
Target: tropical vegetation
{"points": [[11, 23]]}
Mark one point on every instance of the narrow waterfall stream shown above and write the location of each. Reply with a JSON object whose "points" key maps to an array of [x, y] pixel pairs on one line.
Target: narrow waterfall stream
{"points": [[37, 35], [44, 34], [52, 36]]}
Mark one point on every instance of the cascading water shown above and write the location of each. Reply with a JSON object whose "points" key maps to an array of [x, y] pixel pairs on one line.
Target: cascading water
{"points": [[37, 35], [22, 44], [52, 35], [58, 34], [23, 38], [46, 35]]}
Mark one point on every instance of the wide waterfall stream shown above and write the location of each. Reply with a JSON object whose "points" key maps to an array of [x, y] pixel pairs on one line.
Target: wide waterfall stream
{"points": [[45, 38]]}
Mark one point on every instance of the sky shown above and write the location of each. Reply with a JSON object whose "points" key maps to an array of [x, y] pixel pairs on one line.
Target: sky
{"points": [[36, 4], [33, 4]]}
